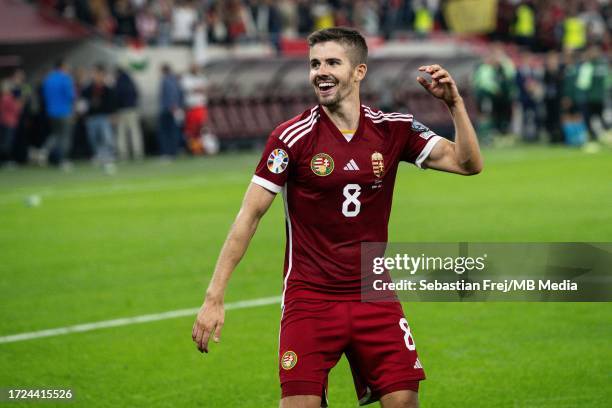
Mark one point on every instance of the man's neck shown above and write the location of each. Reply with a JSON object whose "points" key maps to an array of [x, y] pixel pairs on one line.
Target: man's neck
{"points": [[344, 115]]}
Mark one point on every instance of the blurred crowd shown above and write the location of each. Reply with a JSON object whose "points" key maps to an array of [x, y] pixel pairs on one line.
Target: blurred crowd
{"points": [[544, 25], [94, 113], [539, 24], [555, 85], [559, 95]]}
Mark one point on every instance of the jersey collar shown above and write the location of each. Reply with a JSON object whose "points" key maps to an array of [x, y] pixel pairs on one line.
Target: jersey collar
{"points": [[337, 133]]}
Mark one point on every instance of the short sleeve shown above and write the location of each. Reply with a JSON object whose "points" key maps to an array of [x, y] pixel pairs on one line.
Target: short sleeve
{"points": [[273, 168], [420, 141]]}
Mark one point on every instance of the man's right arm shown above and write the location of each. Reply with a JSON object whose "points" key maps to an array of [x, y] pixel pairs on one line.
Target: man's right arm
{"points": [[210, 318]]}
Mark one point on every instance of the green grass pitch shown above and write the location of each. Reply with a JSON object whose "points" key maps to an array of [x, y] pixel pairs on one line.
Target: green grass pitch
{"points": [[146, 240]]}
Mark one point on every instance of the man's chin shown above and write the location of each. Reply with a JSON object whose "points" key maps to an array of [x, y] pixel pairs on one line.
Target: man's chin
{"points": [[328, 102]]}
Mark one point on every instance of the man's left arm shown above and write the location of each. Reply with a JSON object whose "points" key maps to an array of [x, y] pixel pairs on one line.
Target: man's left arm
{"points": [[462, 156]]}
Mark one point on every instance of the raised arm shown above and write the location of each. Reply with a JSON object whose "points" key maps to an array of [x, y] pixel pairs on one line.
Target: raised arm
{"points": [[210, 318], [462, 156]]}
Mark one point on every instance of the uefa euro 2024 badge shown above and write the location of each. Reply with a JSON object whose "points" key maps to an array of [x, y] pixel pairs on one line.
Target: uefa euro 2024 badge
{"points": [[278, 161], [322, 164]]}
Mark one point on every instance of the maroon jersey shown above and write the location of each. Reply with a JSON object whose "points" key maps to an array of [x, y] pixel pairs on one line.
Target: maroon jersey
{"points": [[337, 193]]}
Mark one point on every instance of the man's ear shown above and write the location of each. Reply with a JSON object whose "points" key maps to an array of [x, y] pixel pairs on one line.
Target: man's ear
{"points": [[360, 72]]}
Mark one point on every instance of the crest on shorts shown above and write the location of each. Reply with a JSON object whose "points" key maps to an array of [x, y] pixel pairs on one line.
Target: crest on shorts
{"points": [[378, 164], [278, 161], [322, 164], [289, 360]]}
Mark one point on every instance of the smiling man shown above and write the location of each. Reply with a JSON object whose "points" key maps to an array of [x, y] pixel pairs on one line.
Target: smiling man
{"points": [[336, 165]]}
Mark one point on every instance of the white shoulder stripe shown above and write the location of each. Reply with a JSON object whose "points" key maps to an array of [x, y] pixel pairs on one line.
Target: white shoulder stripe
{"points": [[380, 114], [388, 115], [394, 119], [298, 137], [296, 124], [296, 131]]}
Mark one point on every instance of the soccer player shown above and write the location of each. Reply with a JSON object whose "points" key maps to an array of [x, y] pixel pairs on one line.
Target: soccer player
{"points": [[336, 165]]}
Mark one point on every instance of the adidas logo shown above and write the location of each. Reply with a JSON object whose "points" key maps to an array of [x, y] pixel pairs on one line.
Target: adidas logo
{"points": [[417, 364], [351, 166]]}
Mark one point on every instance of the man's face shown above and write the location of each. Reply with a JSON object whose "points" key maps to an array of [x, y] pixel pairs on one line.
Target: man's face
{"points": [[331, 73]]}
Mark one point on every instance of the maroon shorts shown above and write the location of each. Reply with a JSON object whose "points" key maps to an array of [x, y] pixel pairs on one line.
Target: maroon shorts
{"points": [[375, 337]]}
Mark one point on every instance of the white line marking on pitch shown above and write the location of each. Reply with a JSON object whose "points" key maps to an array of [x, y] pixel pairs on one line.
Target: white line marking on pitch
{"points": [[79, 328], [118, 188]]}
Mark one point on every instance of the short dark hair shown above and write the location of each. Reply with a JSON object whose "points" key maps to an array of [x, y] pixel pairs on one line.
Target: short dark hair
{"points": [[358, 49]]}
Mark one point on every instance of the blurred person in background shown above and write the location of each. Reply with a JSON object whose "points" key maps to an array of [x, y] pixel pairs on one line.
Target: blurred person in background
{"points": [[125, 17], [524, 27], [194, 85], [592, 84], [22, 90], [423, 17], [305, 18], [549, 17], [529, 80], [593, 17], [486, 88], [506, 76], [342, 16], [80, 142], [164, 13], [573, 126], [569, 94], [391, 14], [171, 113], [322, 14], [10, 111], [289, 18], [553, 83], [19, 86], [41, 123], [504, 21], [103, 19], [59, 97], [239, 22], [217, 31], [494, 81], [101, 104], [146, 23], [184, 18], [574, 28], [365, 16], [268, 22], [200, 49], [129, 132]]}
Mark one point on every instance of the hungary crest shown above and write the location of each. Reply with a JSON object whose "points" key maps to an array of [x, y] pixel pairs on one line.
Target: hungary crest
{"points": [[378, 164], [278, 161], [289, 360], [322, 164]]}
